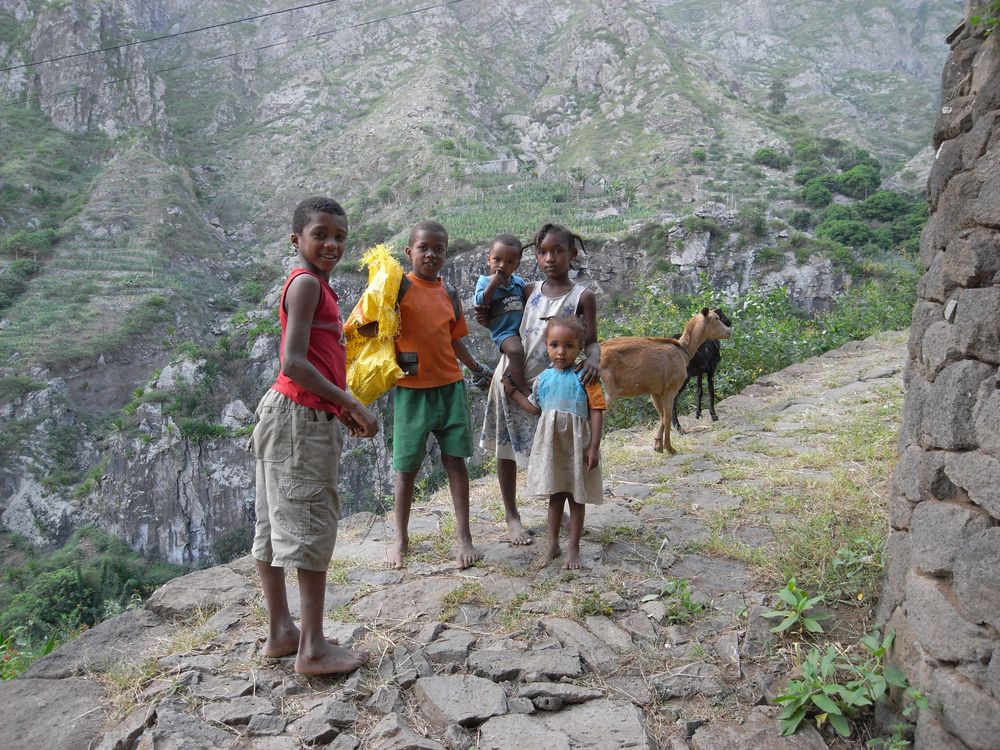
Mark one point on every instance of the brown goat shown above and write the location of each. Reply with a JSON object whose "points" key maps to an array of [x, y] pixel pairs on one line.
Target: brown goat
{"points": [[637, 365]]}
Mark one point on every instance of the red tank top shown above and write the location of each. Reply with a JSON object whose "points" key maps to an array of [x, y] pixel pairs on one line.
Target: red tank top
{"points": [[326, 346]]}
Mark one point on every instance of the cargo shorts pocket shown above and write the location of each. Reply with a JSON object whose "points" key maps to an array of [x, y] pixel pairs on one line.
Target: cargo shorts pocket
{"points": [[302, 508], [271, 439]]}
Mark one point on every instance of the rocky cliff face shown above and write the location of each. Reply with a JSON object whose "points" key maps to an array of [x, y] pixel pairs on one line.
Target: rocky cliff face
{"points": [[941, 592], [192, 187]]}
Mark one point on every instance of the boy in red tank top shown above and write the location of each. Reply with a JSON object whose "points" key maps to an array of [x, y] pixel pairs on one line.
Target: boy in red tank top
{"points": [[297, 441]]}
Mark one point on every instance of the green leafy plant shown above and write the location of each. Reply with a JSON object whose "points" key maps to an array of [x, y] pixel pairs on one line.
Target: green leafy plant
{"points": [[680, 606], [988, 20], [795, 614], [836, 690]]}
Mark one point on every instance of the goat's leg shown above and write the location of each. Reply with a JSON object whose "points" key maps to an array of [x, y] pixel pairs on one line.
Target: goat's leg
{"points": [[658, 438], [666, 398], [673, 416], [711, 397], [663, 433], [697, 410]]}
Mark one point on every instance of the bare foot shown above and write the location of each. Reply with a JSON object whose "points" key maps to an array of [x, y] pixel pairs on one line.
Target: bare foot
{"points": [[282, 643], [552, 551], [517, 533], [573, 558], [330, 659], [273, 650], [394, 557], [467, 555]]}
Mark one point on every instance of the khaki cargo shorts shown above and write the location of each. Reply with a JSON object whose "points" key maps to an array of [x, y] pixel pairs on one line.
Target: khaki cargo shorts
{"points": [[298, 459]]}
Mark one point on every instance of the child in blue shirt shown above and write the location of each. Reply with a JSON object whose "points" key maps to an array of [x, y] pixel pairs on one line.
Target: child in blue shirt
{"points": [[502, 295]]}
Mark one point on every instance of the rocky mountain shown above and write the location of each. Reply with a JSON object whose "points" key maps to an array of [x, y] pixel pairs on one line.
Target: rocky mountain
{"points": [[146, 189]]}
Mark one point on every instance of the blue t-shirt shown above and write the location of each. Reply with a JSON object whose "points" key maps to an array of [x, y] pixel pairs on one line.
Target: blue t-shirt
{"points": [[506, 307]]}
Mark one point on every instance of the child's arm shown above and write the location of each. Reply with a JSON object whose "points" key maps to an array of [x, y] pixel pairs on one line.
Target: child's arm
{"points": [[519, 398], [590, 368], [524, 402], [301, 298], [497, 280], [466, 358], [593, 456]]}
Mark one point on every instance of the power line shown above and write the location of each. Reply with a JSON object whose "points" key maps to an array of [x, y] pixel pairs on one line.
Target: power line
{"points": [[123, 45], [111, 81]]}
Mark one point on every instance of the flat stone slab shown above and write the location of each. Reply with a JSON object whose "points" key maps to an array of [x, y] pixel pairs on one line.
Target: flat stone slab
{"points": [[705, 498], [758, 731], [572, 634], [204, 589], [520, 732], [713, 575], [392, 733], [601, 724], [459, 699], [633, 490], [65, 714], [130, 636], [689, 680], [611, 515], [419, 596], [509, 665]]}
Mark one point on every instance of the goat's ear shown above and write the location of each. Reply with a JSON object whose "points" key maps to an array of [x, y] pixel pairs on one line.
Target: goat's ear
{"points": [[705, 311]]}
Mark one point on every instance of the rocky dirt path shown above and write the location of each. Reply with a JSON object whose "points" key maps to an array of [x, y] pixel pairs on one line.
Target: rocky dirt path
{"points": [[657, 643]]}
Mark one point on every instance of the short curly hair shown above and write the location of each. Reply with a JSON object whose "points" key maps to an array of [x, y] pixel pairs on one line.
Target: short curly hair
{"points": [[571, 322], [312, 206]]}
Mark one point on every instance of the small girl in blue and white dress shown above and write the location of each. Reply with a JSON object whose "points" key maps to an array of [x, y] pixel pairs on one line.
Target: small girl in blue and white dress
{"points": [[566, 452]]}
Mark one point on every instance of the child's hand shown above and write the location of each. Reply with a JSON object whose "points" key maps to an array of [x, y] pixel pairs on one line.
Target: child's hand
{"points": [[482, 312], [508, 385], [592, 457], [359, 421], [588, 372], [500, 278]]}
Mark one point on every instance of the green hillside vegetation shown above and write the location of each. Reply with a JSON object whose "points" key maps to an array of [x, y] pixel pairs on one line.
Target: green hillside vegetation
{"points": [[47, 599]]}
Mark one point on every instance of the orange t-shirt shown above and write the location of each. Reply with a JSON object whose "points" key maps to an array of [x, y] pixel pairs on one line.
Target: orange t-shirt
{"points": [[428, 326]]}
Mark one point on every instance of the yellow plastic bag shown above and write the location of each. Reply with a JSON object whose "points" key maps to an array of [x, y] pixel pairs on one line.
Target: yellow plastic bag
{"points": [[371, 362]]}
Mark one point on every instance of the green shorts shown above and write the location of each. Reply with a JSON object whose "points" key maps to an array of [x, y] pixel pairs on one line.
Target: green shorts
{"points": [[417, 412]]}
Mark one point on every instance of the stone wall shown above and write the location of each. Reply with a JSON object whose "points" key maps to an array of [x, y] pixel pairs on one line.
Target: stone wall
{"points": [[942, 587]]}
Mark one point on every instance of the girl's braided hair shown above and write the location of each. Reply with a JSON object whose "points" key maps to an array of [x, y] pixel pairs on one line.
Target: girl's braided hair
{"points": [[570, 238]]}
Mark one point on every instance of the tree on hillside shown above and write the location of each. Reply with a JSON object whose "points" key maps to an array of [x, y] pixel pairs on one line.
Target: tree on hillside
{"points": [[777, 96]]}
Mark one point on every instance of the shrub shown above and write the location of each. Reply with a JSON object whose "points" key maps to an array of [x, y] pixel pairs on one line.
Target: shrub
{"points": [[768, 157], [846, 232], [767, 256], [699, 154], [885, 205], [801, 219], [815, 193], [840, 212], [858, 181], [805, 174]]}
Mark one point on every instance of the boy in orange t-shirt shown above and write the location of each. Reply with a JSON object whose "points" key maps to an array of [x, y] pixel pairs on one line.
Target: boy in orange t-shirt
{"points": [[431, 396]]}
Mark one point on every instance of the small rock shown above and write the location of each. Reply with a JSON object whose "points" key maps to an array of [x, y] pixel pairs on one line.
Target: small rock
{"points": [[566, 692], [547, 703], [392, 734], [520, 706], [457, 737], [655, 610], [385, 700], [344, 742], [238, 710], [459, 699], [614, 600], [452, 646], [264, 725], [678, 634]]}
